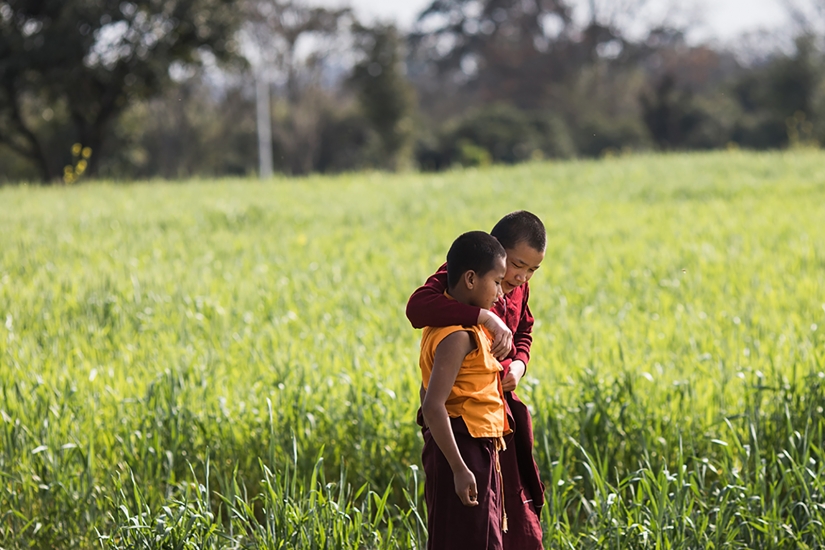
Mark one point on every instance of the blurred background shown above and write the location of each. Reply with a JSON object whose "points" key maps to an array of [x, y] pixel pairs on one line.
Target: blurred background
{"points": [[182, 88]]}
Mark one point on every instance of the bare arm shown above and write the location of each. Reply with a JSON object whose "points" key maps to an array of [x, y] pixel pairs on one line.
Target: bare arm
{"points": [[449, 355]]}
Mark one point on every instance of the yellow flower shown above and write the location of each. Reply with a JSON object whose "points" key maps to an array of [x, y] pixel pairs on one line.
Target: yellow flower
{"points": [[68, 170], [76, 149], [87, 152], [81, 167]]}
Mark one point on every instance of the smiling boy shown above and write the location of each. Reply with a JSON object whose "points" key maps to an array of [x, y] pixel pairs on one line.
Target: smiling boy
{"points": [[464, 408], [523, 236]]}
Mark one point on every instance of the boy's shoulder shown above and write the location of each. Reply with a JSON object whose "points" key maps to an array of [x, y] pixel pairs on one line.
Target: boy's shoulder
{"points": [[437, 334], [431, 337]]}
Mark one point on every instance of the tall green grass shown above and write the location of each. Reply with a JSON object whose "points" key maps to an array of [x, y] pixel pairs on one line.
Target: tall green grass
{"points": [[227, 364]]}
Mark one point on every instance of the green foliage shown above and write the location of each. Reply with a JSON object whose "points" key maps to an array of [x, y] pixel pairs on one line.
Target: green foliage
{"points": [[498, 133], [502, 130], [95, 58], [775, 98], [344, 141], [597, 133], [226, 364], [184, 132], [15, 167], [669, 114], [470, 154], [386, 97]]}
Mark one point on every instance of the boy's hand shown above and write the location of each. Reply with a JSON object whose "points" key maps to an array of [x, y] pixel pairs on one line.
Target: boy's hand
{"points": [[502, 336], [510, 382], [465, 487], [422, 393]]}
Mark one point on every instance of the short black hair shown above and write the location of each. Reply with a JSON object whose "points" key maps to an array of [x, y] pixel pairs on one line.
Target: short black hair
{"points": [[520, 226], [474, 250]]}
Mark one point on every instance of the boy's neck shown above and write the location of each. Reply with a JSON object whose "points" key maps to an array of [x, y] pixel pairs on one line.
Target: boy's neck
{"points": [[459, 294]]}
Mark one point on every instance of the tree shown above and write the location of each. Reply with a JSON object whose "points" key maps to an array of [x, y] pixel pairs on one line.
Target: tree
{"points": [[807, 16], [778, 97], [505, 48], [385, 95], [668, 113], [514, 50], [94, 57], [274, 31]]}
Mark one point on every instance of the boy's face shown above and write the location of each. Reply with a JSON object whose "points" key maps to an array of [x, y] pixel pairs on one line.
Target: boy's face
{"points": [[487, 288], [522, 261]]}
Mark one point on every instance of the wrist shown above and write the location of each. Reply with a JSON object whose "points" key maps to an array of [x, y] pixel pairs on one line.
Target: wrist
{"points": [[459, 467], [521, 356], [483, 316]]}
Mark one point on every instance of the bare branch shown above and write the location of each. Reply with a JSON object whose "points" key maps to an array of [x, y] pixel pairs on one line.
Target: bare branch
{"points": [[807, 16]]}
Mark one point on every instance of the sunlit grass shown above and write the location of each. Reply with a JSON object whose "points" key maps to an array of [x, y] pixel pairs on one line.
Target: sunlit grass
{"points": [[227, 364]]}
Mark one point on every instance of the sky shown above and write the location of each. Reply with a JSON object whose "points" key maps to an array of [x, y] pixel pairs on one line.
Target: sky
{"points": [[723, 19]]}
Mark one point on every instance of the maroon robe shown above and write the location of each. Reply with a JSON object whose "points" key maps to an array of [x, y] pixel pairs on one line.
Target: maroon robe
{"points": [[522, 486], [450, 524]]}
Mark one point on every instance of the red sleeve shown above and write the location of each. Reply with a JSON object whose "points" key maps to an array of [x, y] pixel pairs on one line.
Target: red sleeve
{"points": [[429, 307], [523, 335]]}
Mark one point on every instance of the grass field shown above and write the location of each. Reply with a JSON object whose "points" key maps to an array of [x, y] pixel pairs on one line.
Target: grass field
{"points": [[228, 365]]}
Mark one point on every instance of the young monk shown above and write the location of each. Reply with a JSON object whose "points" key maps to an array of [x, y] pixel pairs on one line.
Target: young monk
{"points": [[464, 408], [524, 239]]}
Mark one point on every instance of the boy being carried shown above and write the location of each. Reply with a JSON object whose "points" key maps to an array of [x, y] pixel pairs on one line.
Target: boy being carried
{"points": [[464, 408]]}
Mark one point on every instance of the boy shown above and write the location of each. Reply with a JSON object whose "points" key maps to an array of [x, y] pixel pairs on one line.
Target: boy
{"points": [[523, 237], [464, 408]]}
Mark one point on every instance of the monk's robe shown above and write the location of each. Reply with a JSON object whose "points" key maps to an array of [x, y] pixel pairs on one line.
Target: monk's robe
{"points": [[524, 491], [479, 422]]}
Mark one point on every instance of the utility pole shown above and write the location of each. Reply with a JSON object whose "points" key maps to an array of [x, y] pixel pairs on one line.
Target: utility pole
{"points": [[264, 124]]}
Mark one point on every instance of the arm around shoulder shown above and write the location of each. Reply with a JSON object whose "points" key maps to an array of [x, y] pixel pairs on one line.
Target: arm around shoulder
{"points": [[429, 307]]}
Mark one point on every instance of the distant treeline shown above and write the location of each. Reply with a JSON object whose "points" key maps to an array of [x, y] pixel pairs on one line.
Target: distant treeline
{"points": [[142, 89]]}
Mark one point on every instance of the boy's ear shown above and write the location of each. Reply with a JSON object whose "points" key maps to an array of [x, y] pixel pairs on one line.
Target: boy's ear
{"points": [[469, 279]]}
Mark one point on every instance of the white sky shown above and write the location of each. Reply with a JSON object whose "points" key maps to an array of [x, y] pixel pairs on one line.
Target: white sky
{"points": [[722, 19]]}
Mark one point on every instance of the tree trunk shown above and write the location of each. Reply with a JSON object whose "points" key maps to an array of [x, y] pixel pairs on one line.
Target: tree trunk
{"points": [[37, 155], [34, 151], [91, 134]]}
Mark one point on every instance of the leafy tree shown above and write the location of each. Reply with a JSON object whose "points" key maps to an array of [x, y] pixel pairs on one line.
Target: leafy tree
{"points": [[508, 49], [185, 131], [669, 113], [514, 50], [780, 98], [505, 132], [499, 133], [385, 95], [93, 58]]}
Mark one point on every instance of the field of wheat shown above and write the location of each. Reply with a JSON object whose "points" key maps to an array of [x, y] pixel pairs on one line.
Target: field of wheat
{"points": [[227, 364]]}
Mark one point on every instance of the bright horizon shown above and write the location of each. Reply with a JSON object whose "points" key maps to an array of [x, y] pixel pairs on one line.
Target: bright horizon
{"points": [[720, 19]]}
